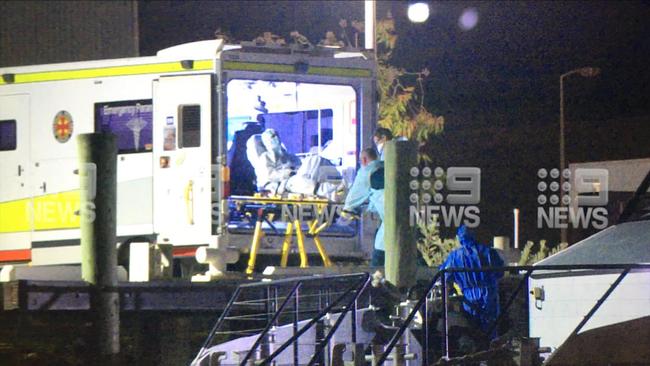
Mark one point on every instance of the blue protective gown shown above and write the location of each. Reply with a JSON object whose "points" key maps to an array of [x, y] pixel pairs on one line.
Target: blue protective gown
{"points": [[376, 205], [360, 194], [480, 289]]}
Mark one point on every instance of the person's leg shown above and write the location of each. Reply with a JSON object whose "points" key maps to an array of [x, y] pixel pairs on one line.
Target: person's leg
{"points": [[378, 257]]}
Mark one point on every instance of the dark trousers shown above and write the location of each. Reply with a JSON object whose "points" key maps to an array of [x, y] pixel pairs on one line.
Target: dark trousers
{"points": [[378, 257]]}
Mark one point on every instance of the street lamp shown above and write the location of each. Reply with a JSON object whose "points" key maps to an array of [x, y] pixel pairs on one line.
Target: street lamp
{"points": [[418, 12], [586, 72]]}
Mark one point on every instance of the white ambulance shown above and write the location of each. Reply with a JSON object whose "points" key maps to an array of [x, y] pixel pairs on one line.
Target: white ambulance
{"points": [[182, 119]]}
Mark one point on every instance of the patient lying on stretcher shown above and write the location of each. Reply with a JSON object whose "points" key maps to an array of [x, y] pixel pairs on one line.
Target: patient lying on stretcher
{"points": [[279, 171]]}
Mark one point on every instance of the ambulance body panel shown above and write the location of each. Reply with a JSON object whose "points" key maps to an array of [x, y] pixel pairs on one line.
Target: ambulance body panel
{"points": [[174, 115]]}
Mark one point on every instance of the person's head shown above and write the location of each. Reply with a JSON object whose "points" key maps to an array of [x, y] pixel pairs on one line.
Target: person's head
{"points": [[271, 139], [367, 155], [465, 236], [261, 120], [381, 136]]}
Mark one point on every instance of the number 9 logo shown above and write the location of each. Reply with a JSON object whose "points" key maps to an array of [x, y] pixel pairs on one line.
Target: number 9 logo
{"points": [[465, 179]]}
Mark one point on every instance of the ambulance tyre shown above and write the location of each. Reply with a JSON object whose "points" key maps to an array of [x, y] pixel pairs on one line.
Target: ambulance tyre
{"points": [[186, 267]]}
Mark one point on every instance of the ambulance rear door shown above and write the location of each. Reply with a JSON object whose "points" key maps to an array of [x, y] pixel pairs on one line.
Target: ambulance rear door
{"points": [[182, 157]]}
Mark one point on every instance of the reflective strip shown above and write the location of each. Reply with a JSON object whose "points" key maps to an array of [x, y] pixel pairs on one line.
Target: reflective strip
{"points": [[56, 211], [159, 68], [289, 69], [184, 251], [20, 255], [49, 212], [15, 216], [225, 174]]}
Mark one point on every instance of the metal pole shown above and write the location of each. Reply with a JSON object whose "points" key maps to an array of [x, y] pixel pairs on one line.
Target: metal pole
{"points": [[370, 8], [320, 137], [516, 233], [317, 318], [296, 320], [425, 330], [353, 320], [272, 322], [600, 301], [563, 232], [98, 183], [586, 72], [445, 324]]}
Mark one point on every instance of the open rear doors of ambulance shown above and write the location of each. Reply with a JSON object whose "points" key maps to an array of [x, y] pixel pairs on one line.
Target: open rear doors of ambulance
{"points": [[182, 139], [319, 104]]}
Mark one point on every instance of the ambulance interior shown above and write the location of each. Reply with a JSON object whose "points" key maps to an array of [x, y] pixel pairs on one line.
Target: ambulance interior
{"points": [[309, 119]]}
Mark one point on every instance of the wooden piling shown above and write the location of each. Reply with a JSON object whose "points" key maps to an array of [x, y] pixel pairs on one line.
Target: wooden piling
{"points": [[399, 235], [98, 178]]}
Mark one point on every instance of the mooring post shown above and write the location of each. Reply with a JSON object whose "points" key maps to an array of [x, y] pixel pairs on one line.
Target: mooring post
{"points": [[98, 196], [399, 234]]}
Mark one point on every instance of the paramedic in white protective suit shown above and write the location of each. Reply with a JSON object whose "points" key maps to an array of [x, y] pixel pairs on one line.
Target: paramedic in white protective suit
{"points": [[279, 171], [362, 192], [275, 165]]}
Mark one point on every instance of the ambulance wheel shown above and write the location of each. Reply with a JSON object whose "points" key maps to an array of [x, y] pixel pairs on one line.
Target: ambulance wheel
{"points": [[186, 267]]}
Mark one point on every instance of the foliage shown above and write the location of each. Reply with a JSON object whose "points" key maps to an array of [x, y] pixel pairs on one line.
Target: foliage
{"points": [[434, 249], [401, 93], [532, 254]]}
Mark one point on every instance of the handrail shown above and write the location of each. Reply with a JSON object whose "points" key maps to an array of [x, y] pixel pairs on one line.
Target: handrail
{"points": [[600, 302], [529, 270], [315, 277], [408, 320], [512, 298], [271, 322], [297, 283], [217, 325], [350, 305], [315, 319]]}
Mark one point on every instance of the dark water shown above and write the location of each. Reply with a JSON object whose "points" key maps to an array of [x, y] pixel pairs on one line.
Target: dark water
{"points": [[62, 338]]}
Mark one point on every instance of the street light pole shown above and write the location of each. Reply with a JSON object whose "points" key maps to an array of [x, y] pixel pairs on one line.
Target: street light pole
{"points": [[584, 72], [370, 18]]}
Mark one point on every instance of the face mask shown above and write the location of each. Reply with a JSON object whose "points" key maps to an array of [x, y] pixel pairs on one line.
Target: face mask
{"points": [[275, 142], [270, 140]]}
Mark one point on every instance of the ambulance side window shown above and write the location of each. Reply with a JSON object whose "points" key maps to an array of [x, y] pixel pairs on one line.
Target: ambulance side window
{"points": [[8, 135], [190, 125], [131, 121]]}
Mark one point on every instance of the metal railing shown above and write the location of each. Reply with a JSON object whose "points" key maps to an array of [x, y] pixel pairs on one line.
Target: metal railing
{"points": [[287, 296], [423, 305], [311, 297]]}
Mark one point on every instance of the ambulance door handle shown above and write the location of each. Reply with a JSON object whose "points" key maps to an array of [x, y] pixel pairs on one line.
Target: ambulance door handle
{"points": [[43, 187], [20, 170], [189, 202]]}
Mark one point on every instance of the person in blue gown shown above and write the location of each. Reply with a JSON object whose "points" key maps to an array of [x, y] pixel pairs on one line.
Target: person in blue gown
{"points": [[480, 289]]}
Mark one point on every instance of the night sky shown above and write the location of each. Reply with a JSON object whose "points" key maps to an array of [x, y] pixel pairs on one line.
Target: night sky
{"points": [[497, 85], [515, 53]]}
